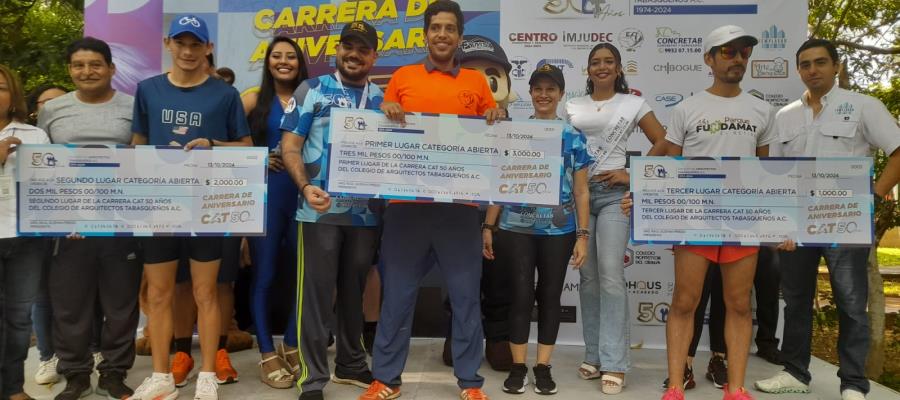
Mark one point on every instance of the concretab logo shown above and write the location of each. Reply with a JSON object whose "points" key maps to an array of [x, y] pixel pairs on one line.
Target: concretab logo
{"points": [[766, 69], [669, 68], [670, 41], [560, 63], [669, 99], [773, 38], [519, 67], [598, 9], [631, 38]]}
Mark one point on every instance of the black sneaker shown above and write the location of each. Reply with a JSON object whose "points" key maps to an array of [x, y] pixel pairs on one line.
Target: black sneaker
{"points": [[689, 382], [77, 386], [717, 371], [543, 382], [312, 395], [359, 379], [517, 379], [112, 385]]}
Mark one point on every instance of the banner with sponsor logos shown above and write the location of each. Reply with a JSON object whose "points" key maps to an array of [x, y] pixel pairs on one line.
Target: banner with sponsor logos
{"points": [[661, 42]]}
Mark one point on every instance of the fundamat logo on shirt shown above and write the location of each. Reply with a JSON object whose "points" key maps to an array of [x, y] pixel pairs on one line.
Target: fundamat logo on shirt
{"points": [[737, 126]]}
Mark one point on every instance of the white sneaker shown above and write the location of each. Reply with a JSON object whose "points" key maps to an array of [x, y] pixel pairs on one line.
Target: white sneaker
{"points": [[46, 372], [207, 388], [782, 382], [852, 394], [156, 387], [98, 358]]}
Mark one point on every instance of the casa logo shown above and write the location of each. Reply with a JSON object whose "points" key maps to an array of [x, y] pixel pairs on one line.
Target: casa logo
{"points": [[630, 67], [832, 228], [519, 67], [765, 69], [585, 40], [655, 171], [774, 99], [845, 109], [560, 63], [631, 38], [649, 313], [533, 39], [644, 287], [355, 123], [669, 99], [477, 44], [669, 68], [670, 41], [43, 160], [773, 38], [598, 9], [629, 257]]}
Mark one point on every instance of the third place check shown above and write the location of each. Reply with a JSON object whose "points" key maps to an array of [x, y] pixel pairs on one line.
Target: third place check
{"points": [[445, 158], [752, 201]]}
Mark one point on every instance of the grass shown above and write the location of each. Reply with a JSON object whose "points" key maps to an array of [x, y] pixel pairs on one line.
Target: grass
{"points": [[887, 256]]}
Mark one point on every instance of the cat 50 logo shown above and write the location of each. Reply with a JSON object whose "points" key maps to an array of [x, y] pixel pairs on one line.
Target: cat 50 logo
{"points": [[653, 313], [355, 123]]}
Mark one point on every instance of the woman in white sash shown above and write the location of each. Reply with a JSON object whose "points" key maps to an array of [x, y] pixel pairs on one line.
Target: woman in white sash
{"points": [[607, 115]]}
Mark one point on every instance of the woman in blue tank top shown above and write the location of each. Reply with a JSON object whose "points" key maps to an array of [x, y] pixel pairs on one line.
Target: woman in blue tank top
{"points": [[285, 68]]}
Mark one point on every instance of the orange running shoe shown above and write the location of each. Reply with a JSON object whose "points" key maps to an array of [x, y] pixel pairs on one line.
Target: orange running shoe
{"points": [[225, 373], [473, 394], [182, 365], [380, 391]]}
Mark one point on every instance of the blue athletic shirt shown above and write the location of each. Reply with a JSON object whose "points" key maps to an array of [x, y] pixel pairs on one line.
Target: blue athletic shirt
{"points": [[557, 220], [308, 115], [171, 115]]}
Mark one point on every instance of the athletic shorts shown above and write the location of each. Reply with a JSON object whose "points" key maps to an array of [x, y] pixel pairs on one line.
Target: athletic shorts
{"points": [[228, 268], [722, 254], [167, 249]]}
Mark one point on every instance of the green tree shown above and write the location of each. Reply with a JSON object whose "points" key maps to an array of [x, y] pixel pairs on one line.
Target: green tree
{"points": [[868, 34], [37, 33]]}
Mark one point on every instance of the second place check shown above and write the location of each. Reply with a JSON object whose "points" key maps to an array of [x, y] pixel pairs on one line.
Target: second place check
{"points": [[445, 158]]}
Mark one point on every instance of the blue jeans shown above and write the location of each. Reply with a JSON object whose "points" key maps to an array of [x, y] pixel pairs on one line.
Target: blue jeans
{"points": [[20, 276], [849, 282], [602, 290], [42, 317]]}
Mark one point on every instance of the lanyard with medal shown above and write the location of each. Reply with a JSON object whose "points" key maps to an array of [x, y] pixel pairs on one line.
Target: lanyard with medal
{"points": [[365, 92]]}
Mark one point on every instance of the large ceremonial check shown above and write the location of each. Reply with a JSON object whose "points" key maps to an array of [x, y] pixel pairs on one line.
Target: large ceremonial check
{"points": [[444, 158], [752, 201], [141, 191]]}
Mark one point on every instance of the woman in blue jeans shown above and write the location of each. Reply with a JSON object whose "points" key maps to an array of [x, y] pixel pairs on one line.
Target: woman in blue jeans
{"points": [[283, 72], [607, 115], [20, 257]]}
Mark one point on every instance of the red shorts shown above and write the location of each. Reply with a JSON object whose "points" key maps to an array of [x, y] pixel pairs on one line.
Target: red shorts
{"points": [[722, 254]]}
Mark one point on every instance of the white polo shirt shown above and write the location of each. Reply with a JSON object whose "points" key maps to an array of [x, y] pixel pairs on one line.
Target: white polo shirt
{"points": [[849, 125], [28, 135]]}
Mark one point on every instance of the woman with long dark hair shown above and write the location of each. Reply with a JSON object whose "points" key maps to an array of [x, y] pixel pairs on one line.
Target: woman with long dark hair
{"points": [[20, 257], [607, 115], [284, 69]]}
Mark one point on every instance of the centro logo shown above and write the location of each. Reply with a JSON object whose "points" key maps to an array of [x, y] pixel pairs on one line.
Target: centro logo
{"points": [[560, 63], [524, 188], [669, 99], [669, 68], [45, 159], [533, 37]]}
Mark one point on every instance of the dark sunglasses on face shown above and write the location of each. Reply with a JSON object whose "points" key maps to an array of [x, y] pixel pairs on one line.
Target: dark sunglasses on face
{"points": [[729, 52]]}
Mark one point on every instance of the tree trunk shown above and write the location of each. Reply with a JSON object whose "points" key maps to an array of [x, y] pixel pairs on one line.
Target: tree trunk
{"points": [[875, 359]]}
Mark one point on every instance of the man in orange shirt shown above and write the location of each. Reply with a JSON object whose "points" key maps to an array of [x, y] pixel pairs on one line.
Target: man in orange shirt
{"points": [[418, 235]]}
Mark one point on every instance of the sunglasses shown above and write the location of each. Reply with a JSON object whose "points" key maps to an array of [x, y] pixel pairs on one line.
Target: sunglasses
{"points": [[729, 52]]}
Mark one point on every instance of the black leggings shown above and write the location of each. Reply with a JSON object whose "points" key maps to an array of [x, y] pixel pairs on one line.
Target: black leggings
{"points": [[712, 293], [521, 254]]}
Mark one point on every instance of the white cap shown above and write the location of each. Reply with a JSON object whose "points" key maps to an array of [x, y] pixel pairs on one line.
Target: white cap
{"points": [[725, 34]]}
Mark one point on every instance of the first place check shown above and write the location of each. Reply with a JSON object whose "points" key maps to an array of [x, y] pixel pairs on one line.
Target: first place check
{"points": [[445, 158], [818, 202], [99, 190]]}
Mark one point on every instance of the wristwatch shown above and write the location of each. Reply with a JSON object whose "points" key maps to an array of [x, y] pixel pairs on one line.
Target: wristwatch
{"points": [[491, 227]]}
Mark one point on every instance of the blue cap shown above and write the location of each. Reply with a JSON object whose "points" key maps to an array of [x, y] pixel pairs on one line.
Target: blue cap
{"points": [[189, 23]]}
